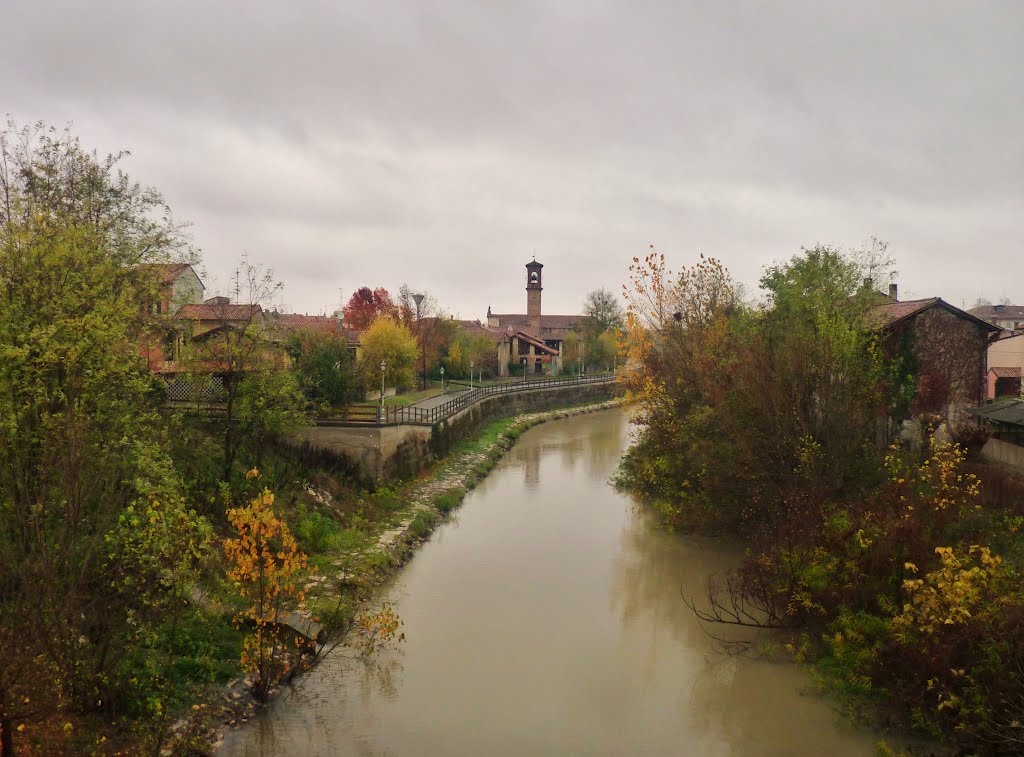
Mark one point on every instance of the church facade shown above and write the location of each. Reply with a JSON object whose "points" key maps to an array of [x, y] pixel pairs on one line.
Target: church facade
{"points": [[532, 339]]}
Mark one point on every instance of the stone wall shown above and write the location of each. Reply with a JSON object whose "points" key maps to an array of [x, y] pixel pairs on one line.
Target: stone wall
{"points": [[386, 454]]}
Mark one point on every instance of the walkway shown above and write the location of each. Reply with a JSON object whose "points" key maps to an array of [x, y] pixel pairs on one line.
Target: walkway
{"points": [[440, 399]]}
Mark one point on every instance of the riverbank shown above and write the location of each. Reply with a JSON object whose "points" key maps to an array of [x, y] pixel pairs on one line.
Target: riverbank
{"points": [[359, 553], [545, 617]]}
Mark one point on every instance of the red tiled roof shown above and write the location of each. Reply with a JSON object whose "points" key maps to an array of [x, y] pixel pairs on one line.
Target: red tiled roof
{"points": [[216, 312], [321, 323], [165, 273], [546, 321], [891, 313], [535, 342], [1005, 372], [475, 328], [998, 312]]}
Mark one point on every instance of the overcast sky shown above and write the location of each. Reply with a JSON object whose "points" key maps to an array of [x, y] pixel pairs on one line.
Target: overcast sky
{"points": [[444, 143]]}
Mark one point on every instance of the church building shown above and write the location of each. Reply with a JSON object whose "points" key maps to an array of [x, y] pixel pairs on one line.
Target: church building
{"points": [[533, 339]]}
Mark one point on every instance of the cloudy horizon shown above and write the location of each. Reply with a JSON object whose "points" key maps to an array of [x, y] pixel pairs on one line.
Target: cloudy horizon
{"points": [[444, 145]]}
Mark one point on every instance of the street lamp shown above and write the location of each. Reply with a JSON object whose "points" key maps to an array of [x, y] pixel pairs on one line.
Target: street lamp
{"points": [[383, 367], [524, 369], [442, 379], [471, 375], [418, 299]]}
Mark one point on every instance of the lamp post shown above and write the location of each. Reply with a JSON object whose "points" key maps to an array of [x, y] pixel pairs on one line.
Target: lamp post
{"points": [[524, 369], [383, 367], [418, 299], [470, 375], [442, 379]]}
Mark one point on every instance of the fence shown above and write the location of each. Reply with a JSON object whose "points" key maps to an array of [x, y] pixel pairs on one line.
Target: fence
{"points": [[429, 416], [202, 388]]}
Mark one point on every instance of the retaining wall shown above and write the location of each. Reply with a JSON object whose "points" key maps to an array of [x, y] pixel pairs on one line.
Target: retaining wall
{"points": [[1003, 453], [386, 454]]}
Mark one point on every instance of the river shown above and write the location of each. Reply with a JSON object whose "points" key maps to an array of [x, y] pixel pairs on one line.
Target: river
{"points": [[545, 618]]}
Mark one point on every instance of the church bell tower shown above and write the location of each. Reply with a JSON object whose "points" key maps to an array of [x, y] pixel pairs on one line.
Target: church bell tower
{"points": [[533, 290]]}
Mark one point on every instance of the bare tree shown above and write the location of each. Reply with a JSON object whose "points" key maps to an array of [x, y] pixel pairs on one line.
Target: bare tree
{"points": [[603, 310]]}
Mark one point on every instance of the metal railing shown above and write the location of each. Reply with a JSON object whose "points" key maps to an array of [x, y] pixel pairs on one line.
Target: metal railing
{"points": [[419, 416]]}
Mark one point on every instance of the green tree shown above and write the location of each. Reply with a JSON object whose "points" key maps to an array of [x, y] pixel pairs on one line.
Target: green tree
{"points": [[324, 368], [392, 343], [238, 346], [96, 544], [269, 403], [601, 351]]}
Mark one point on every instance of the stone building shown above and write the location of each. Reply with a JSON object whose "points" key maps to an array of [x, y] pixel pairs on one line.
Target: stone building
{"points": [[944, 347]]}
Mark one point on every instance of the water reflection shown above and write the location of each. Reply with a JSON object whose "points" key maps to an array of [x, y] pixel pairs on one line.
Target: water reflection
{"points": [[548, 620]]}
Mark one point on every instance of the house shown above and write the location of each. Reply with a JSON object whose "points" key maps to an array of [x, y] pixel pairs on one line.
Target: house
{"points": [[1003, 382], [944, 347], [1004, 316], [1006, 359], [175, 284], [283, 324], [1005, 445], [219, 313], [532, 339], [178, 284]]}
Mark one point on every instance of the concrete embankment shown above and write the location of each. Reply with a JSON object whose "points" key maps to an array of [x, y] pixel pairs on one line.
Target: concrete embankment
{"points": [[387, 454]]}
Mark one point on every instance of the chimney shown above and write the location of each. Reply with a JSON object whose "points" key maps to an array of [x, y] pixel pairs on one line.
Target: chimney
{"points": [[892, 293]]}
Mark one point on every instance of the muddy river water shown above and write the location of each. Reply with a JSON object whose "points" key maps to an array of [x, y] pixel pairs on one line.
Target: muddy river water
{"points": [[546, 618]]}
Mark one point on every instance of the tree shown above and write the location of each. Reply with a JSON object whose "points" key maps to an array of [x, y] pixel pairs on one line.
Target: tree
{"points": [[601, 351], [324, 368], [392, 343], [238, 346], [481, 351], [269, 403], [603, 311], [406, 306], [366, 305], [265, 567], [423, 321], [96, 543]]}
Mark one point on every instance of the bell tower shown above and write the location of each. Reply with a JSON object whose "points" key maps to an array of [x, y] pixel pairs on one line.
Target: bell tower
{"points": [[533, 290]]}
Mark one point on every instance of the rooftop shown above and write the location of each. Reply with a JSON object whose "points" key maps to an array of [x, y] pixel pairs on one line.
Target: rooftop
{"points": [[1009, 411], [893, 312], [998, 312], [209, 311], [165, 273]]}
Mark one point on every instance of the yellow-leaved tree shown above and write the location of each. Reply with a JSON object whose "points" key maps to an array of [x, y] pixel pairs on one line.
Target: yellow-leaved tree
{"points": [[265, 567]]}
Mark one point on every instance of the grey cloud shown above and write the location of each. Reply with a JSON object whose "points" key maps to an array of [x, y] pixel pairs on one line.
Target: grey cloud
{"points": [[349, 143]]}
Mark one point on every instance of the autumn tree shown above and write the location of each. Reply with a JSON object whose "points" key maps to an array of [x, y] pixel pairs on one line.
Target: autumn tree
{"points": [[392, 343], [265, 566], [366, 305], [480, 351]]}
